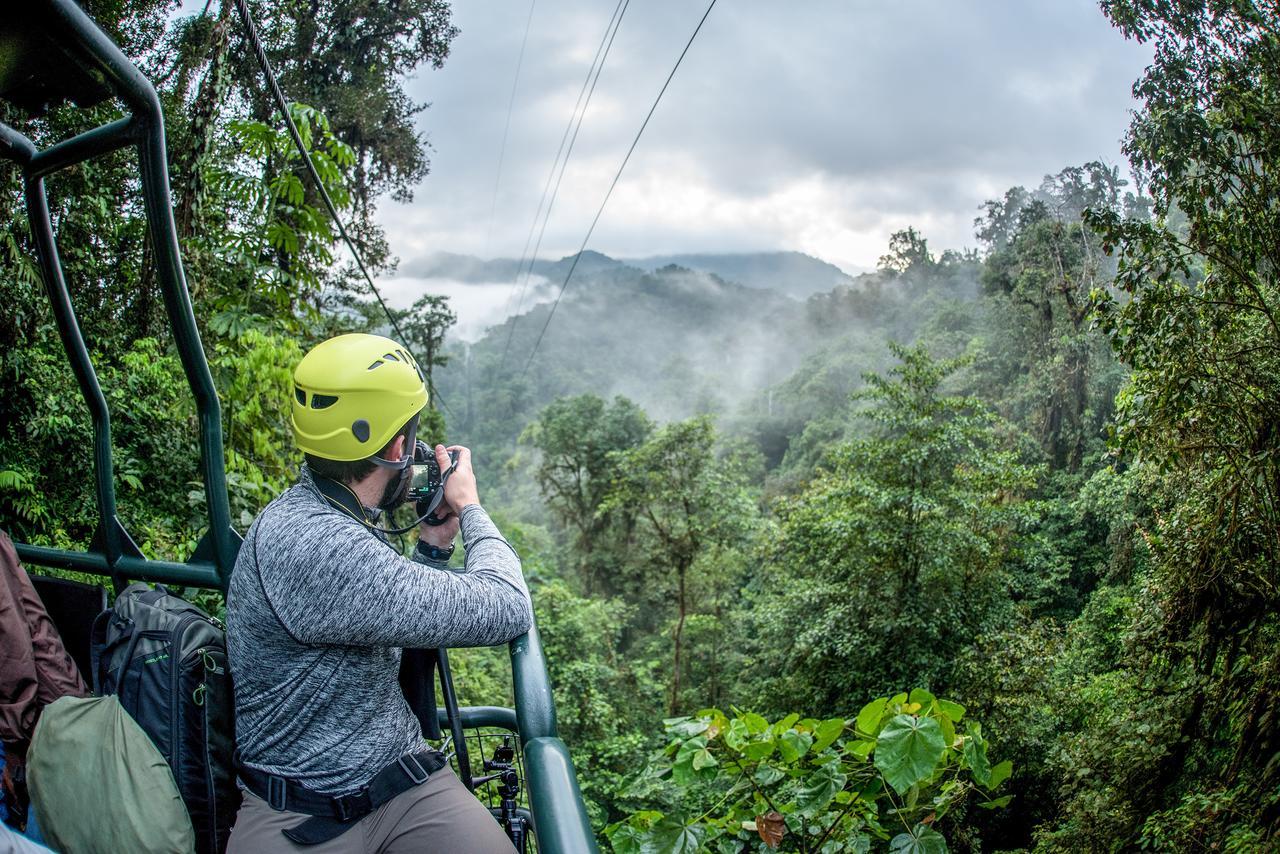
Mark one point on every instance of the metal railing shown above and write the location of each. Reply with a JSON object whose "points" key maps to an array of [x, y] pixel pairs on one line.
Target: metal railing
{"points": [[56, 34]]}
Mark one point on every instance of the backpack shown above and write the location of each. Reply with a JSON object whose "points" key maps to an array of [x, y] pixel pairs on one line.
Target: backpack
{"points": [[166, 662]]}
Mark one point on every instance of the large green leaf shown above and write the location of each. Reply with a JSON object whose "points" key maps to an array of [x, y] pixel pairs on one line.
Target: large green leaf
{"points": [[793, 745], [921, 696], [673, 837], [921, 840], [627, 840], [758, 750], [955, 711], [767, 775], [682, 769], [908, 750], [999, 773], [827, 732], [998, 803], [869, 718], [975, 756], [819, 788]]}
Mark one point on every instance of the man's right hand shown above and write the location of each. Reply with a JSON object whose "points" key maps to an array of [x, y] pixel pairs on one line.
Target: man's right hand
{"points": [[460, 489]]}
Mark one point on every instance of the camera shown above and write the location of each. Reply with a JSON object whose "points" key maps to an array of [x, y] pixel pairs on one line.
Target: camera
{"points": [[426, 481]]}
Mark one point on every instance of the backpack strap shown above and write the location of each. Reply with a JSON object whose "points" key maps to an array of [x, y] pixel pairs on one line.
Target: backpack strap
{"points": [[97, 645], [101, 650]]}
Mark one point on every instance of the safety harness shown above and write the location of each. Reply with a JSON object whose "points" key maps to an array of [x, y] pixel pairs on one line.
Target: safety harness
{"points": [[333, 816]]}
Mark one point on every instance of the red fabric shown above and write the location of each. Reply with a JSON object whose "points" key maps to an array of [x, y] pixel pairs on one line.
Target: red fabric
{"points": [[35, 668]]}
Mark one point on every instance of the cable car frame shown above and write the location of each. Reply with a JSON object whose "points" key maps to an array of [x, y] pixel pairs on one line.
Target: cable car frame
{"points": [[52, 51]]}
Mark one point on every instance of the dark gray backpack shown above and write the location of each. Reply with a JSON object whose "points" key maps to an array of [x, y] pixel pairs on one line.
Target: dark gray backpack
{"points": [[165, 660]]}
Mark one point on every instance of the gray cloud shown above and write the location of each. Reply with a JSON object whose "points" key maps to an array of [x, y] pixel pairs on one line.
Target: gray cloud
{"points": [[820, 126]]}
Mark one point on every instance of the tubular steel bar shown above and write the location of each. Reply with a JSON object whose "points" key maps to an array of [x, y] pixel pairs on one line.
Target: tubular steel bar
{"points": [[91, 143], [559, 814], [113, 551]]}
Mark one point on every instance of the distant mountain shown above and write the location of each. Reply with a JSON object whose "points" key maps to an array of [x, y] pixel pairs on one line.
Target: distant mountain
{"points": [[674, 340], [468, 268], [792, 273]]}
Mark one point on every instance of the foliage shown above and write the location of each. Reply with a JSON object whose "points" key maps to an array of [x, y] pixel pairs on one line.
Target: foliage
{"points": [[578, 439], [895, 556], [1197, 325], [887, 778], [694, 511]]}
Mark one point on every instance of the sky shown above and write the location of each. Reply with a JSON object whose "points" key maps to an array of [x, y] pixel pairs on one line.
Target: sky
{"points": [[821, 126]]}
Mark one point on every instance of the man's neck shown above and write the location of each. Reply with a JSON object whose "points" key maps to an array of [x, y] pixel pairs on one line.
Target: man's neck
{"points": [[369, 490]]}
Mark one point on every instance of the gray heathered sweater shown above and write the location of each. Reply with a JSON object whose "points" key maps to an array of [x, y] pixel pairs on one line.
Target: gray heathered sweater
{"points": [[317, 611]]}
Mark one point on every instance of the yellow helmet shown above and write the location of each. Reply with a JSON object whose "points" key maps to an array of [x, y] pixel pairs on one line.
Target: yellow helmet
{"points": [[352, 393]]}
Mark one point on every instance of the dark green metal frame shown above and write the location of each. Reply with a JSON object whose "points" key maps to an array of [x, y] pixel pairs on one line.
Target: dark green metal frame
{"points": [[560, 816], [113, 551]]}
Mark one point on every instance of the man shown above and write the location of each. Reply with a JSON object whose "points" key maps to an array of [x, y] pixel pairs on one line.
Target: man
{"points": [[320, 606]]}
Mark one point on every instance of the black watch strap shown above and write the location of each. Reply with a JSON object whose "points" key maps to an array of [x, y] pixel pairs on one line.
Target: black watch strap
{"points": [[435, 553]]}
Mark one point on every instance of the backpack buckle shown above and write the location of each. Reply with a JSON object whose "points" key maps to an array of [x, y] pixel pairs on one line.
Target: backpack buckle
{"points": [[418, 778]]}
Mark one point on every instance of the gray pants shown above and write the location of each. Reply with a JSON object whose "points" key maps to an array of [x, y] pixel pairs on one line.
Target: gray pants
{"points": [[438, 816]]}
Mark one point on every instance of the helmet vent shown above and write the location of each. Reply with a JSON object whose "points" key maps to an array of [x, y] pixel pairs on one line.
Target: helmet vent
{"points": [[322, 401], [301, 396], [374, 365], [390, 357], [360, 429]]}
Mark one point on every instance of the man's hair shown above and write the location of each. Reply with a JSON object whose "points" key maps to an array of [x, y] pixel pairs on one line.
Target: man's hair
{"points": [[354, 471]]}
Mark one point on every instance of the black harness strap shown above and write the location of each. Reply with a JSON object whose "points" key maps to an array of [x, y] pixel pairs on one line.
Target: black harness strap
{"points": [[331, 817]]}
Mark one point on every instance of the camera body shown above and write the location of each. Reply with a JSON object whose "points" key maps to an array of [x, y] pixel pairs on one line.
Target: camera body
{"points": [[426, 481]]}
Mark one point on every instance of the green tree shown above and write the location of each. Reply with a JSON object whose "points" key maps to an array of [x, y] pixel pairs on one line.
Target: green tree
{"points": [[1043, 265], [1198, 326], [908, 252], [693, 508], [898, 553], [578, 439]]}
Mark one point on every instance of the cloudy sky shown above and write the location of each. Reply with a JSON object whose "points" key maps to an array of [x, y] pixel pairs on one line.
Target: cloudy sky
{"points": [[821, 126]]}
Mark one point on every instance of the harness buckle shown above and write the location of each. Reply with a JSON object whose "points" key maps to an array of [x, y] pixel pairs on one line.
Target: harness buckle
{"points": [[353, 806], [422, 774], [276, 792]]}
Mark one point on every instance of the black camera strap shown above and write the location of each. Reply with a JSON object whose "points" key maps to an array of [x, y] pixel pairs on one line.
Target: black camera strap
{"points": [[341, 497]]}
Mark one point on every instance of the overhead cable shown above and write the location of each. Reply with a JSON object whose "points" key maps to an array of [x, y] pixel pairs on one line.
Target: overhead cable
{"points": [[506, 127], [251, 33], [577, 257], [570, 136]]}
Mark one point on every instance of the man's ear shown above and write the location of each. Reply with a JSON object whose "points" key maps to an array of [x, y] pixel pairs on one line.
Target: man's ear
{"points": [[394, 451]]}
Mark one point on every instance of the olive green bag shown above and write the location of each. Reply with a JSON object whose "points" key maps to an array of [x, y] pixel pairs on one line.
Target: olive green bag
{"points": [[100, 786]]}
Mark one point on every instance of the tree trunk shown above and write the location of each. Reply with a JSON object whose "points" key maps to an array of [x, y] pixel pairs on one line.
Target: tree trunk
{"points": [[678, 636]]}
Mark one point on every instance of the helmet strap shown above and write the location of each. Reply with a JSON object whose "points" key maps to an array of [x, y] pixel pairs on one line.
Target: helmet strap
{"points": [[393, 495]]}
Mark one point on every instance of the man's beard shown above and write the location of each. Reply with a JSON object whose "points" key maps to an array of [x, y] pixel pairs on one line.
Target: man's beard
{"points": [[393, 492]]}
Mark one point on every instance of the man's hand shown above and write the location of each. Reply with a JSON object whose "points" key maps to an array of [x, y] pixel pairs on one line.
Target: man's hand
{"points": [[460, 490], [440, 536]]}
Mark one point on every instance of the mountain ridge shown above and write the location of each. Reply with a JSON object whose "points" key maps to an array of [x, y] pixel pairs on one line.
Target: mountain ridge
{"points": [[794, 274]]}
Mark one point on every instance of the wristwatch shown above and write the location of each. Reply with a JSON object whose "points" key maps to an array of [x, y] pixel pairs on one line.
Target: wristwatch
{"points": [[434, 553]]}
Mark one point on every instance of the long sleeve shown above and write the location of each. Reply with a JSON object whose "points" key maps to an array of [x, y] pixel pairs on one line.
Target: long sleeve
{"points": [[343, 586]]}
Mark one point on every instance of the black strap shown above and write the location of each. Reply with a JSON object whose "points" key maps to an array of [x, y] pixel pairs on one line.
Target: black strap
{"points": [[97, 644], [331, 817], [101, 651]]}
